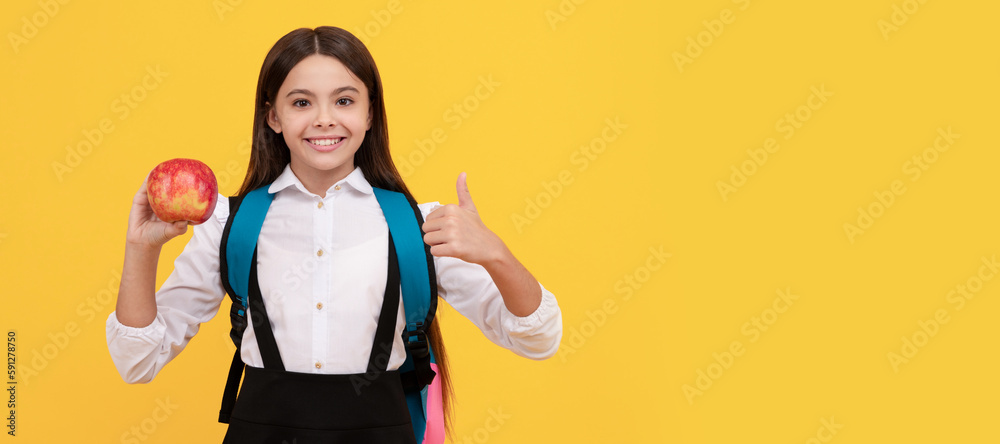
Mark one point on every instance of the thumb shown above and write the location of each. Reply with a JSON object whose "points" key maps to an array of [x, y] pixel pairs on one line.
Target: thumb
{"points": [[464, 198]]}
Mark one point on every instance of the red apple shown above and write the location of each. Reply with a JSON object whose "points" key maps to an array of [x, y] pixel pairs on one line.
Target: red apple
{"points": [[182, 189]]}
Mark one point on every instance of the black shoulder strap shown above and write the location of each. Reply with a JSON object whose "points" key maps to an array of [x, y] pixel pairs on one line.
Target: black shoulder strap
{"points": [[237, 316], [419, 350]]}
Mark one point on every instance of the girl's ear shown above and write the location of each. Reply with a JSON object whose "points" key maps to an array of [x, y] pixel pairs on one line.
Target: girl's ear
{"points": [[369, 119], [272, 118]]}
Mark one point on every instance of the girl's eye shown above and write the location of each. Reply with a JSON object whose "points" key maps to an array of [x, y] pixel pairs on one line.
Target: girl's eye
{"points": [[344, 101], [304, 102]]}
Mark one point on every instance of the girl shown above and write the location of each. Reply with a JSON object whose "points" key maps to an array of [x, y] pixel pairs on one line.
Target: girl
{"points": [[320, 145]]}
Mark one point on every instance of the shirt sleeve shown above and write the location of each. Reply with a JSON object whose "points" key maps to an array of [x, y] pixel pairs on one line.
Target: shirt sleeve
{"points": [[190, 296], [470, 290]]}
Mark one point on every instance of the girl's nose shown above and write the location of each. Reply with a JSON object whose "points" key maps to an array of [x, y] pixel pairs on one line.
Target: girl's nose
{"points": [[325, 118]]}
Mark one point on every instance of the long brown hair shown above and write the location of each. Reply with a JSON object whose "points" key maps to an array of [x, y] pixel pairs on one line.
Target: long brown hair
{"points": [[269, 154]]}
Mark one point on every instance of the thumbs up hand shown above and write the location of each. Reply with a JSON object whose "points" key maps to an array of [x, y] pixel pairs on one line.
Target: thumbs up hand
{"points": [[457, 231]]}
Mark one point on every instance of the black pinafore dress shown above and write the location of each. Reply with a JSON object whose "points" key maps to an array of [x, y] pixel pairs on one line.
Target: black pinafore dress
{"points": [[282, 407]]}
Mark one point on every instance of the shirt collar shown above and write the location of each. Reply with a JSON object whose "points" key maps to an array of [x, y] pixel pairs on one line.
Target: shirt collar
{"points": [[356, 179]]}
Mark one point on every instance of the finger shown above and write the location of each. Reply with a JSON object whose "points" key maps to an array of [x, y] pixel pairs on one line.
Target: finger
{"points": [[431, 225], [438, 223], [142, 194], [464, 197], [178, 228], [145, 183], [437, 212], [441, 251], [435, 238], [163, 232], [172, 230]]}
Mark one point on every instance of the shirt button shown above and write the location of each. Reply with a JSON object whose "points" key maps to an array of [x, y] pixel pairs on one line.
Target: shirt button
{"points": [[318, 365], [319, 305], [337, 187], [319, 253], [319, 205]]}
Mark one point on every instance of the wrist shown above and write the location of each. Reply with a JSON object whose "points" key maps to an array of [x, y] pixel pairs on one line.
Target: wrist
{"points": [[498, 258], [142, 248]]}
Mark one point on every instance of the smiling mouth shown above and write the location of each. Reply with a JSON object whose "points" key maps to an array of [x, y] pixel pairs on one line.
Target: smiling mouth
{"points": [[325, 142]]}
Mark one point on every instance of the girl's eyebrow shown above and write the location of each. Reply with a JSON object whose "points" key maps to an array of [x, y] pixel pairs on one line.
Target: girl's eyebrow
{"points": [[335, 92]]}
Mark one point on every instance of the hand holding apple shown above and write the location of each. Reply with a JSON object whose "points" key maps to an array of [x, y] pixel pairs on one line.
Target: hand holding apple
{"points": [[182, 190], [148, 230]]}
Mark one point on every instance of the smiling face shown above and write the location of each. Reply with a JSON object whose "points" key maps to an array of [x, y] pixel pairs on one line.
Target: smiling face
{"points": [[323, 112]]}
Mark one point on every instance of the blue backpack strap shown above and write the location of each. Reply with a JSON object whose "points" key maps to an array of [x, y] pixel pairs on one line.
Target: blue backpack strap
{"points": [[243, 239], [419, 293], [409, 240]]}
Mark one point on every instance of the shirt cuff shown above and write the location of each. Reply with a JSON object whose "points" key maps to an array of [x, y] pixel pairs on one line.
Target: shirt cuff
{"points": [[153, 330], [538, 333], [133, 349]]}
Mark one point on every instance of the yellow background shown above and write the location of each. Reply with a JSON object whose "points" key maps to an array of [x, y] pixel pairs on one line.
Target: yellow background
{"points": [[563, 69]]}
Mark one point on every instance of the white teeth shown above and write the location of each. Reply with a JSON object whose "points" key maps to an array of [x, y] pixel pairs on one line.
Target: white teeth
{"points": [[325, 142]]}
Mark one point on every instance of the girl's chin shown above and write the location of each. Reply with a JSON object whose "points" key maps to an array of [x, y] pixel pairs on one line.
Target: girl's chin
{"points": [[324, 165]]}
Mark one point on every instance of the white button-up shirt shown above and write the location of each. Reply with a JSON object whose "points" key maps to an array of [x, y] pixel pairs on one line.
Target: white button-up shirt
{"points": [[321, 265]]}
